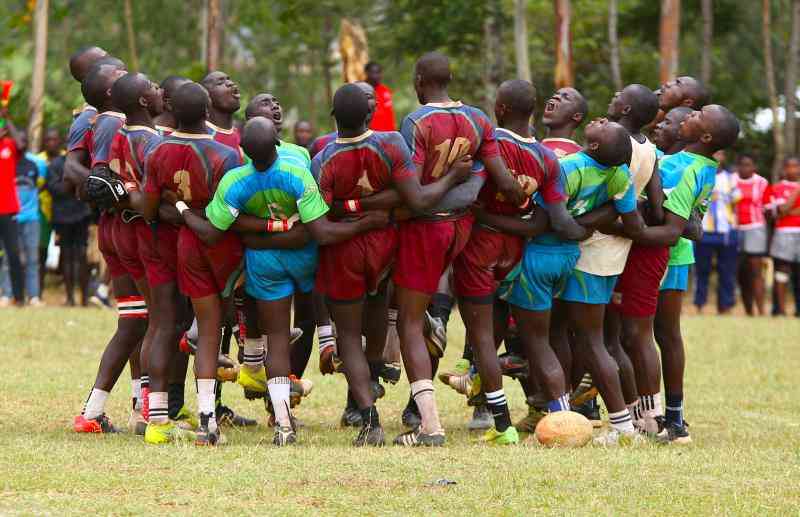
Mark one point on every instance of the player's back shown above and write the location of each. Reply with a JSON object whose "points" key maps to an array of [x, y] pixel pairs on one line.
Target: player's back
{"points": [[229, 137], [320, 142], [81, 125], [129, 150], [562, 146], [103, 130], [589, 183], [703, 171]]}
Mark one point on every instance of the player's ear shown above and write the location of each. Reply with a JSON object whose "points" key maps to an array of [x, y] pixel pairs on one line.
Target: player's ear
{"points": [[577, 117], [689, 103], [706, 138], [594, 146], [142, 102], [627, 109]]}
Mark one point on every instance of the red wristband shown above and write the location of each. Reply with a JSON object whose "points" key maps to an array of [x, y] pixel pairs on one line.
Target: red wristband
{"points": [[352, 205], [277, 226]]}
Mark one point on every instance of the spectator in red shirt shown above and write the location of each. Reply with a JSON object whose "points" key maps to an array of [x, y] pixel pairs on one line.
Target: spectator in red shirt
{"points": [[10, 140], [383, 119], [748, 197], [783, 201]]}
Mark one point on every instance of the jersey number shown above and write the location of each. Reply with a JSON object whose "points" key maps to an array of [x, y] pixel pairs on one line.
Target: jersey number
{"points": [[183, 180], [444, 160]]}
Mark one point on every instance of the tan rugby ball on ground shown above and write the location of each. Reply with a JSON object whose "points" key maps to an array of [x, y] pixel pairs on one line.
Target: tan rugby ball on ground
{"points": [[564, 429]]}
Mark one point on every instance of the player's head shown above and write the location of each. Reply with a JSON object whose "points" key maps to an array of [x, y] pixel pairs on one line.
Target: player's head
{"points": [[791, 168], [369, 91], [635, 102], [608, 142], [190, 105], [259, 138], [682, 91], [134, 92], [745, 165], [223, 91], [168, 88], [350, 107], [431, 73], [374, 73], [82, 60], [265, 105], [96, 86], [303, 133], [52, 141], [515, 100], [566, 108], [714, 126], [665, 134]]}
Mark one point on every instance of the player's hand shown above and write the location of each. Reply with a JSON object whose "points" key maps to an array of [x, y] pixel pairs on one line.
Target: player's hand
{"points": [[104, 189], [512, 191], [337, 208], [374, 219], [462, 168], [169, 197]]}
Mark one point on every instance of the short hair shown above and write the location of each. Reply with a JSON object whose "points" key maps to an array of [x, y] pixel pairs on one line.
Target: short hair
{"points": [[350, 106], [371, 64], [644, 104], [76, 65], [726, 127], [696, 90], [583, 104], [190, 103], [126, 91], [617, 148], [95, 85], [742, 155], [110, 61], [434, 67], [519, 95], [790, 158], [259, 137], [171, 83]]}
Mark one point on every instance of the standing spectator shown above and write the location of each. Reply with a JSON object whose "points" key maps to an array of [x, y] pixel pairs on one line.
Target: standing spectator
{"points": [[783, 203], [752, 227], [720, 239], [71, 223], [303, 133], [9, 206], [383, 119], [53, 148]]}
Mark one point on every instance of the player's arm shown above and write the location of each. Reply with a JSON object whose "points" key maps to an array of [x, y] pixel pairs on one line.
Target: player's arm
{"points": [[297, 237], [13, 132], [565, 225], [506, 184], [75, 173], [325, 231], [694, 227], [209, 234], [461, 196], [787, 207], [527, 227], [420, 198], [655, 197]]}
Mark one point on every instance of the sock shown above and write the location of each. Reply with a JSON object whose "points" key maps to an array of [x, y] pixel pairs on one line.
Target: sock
{"points": [[325, 337], [136, 394], [441, 306], [159, 412], [253, 353], [375, 368], [144, 382], [192, 333], [370, 416], [636, 410], [496, 400], [423, 393], [559, 404], [674, 408], [96, 404], [279, 395], [392, 313], [206, 390], [102, 291], [586, 381], [175, 398], [621, 421]]}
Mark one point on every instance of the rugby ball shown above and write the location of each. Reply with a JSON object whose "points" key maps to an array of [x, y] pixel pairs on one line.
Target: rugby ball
{"points": [[564, 429]]}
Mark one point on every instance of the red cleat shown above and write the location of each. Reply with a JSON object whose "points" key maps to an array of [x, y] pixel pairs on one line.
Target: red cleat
{"points": [[100, 424]]}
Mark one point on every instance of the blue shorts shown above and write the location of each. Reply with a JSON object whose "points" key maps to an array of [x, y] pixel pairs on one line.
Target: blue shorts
{"points": [[539, 277], [676, 279], [587, 288], [274, 274]]}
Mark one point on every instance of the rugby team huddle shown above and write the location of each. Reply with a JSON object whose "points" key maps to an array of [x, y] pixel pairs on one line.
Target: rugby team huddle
{"points": [[575, 257]]}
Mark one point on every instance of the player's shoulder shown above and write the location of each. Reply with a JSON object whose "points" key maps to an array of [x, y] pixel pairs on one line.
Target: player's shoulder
{"points": [[474, 112]]}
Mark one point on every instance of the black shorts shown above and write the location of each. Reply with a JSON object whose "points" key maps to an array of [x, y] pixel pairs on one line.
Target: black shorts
{"points": [[74, 235]]}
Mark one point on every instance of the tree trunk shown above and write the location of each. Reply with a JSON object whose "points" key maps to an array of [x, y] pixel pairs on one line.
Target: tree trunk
{"points": [[134, 56], [493, 61], [353, 49], [521, 40], [326, 59], [36, 100], [214, 24], [708, 35], [613, 40], [769, 69], [790, 89], [564, 75], [669, 39]]}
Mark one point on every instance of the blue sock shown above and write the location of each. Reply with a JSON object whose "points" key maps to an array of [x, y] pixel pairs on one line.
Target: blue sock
{"points": [[673, 412], [559, 404]]}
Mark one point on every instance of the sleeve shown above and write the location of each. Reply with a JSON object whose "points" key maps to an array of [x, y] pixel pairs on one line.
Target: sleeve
{"points": [[223, 209], [622, 191], [488, 146], [681, 200], [403, 167], [324, 177], [310, 204], [76, 138], [414, 141], [102, 137], [554, 188], [767, 196], [151, 183]]}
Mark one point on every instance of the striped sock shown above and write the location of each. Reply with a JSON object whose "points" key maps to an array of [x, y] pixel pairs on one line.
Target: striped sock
{"points": [[279, 388], [674, 409], [496, 400], [586, 382], [253, 353], [621, 421], [159, 408], [423, 393], [559, 404], [325, 337]]}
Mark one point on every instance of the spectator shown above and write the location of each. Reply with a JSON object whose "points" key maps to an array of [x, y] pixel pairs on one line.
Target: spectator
{"points": [[53, 148], [383, 120], [720, 239], [783, 203], [303, 133], [9, 206], [71, 223], [752, 227]]}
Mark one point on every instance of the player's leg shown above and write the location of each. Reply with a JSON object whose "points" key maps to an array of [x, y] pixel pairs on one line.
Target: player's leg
{"points": [[638, 340], [673, 359], [756, 265], [704, 256], [208, 310], [304, 320], [745, 277], [726, 273], [783, 272], [274, 318], [612, 335]]}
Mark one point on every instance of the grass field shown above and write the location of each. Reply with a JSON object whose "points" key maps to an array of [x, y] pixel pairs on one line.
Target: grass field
{"points": [[744, 412]]}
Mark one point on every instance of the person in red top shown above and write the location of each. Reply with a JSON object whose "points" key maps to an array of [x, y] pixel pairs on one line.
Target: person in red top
{"points": [[9, 204], [383, 119], [748, 197], [564, 112], [783, 201], [224, 94]]}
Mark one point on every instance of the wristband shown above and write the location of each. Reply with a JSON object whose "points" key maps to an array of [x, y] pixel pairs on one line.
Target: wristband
{"points": [[181, 206], [352, 205], [277, 226]]}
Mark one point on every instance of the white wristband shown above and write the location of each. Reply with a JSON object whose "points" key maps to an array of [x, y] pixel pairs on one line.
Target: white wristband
{"points": [[181, 206]]}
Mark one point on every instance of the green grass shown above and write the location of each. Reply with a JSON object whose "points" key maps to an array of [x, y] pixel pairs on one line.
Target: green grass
{"points": [[740, 400]]}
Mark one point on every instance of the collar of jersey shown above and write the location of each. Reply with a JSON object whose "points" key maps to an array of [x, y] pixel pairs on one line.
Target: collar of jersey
{"points": [[704, 159], [116, 114], [362, 136], [140, 128], [219, 129], [515, 136], [451, 104], [85, 107], [159, 127], [193, 136], [565, 140]]}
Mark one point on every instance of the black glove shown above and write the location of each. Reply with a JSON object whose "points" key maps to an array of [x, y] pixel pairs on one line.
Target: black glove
{"points": [[104, 189]]}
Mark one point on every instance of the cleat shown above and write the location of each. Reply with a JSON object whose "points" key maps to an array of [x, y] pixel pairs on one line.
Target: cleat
{"points": [[435, 334], [481, 419], [411, 417], [328, 361], [507, 437], [461, 383], [136, 423], [476, 396], [351, 417], [582, 395], [207, 437], [98, 424], [614, 438], [513, 365], [224, 361], [673, 433], [300, 388], [416, 438], [185, 420], [158, 434], [370, 435], [226, 416], [295, 334], [252, 380], [462, 367], [390, 372], [591, 411], [186, 345], [228, 374], [378, 391], [284, 435], [529, 422]]}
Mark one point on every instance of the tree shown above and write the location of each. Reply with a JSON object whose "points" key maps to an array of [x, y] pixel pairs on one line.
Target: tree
{"points": [[36, 100], [613, 41], [708, 34], [564, 74], [493, 60], [777, 132], [790, 89], [134, 56], [214, 34], [669, 39], [521, 40]]}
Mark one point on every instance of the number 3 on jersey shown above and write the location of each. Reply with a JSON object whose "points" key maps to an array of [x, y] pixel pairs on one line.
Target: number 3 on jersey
{"points": [[183, 180], [444, 159]]}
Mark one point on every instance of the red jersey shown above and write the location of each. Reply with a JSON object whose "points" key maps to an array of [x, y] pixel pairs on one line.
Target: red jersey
{"points": [[561, 146], [129, 150], [320, 142], [749, 198], [438, 134], [778, 194], [229, 137], [100, 136], [191, 164], [164, 130], [535, 167], [383, 118], [9, 202], [352, 168]]}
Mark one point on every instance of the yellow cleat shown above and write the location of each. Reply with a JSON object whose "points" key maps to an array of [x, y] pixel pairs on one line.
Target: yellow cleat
{"points": [[507, 437], [158, 434], [185, 420], [253, 380]]}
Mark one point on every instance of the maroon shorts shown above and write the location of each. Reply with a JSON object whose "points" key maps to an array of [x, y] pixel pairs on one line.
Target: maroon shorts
{"points": [[349, 270], [105, 241], [204, 270], [636, 292], [159, 252], [127, 246], [486, 260], [426, 249]]}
